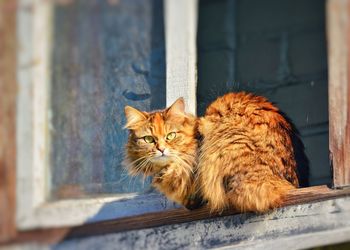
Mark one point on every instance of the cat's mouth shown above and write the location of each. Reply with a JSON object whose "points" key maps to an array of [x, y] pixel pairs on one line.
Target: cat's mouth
{"points": [[161, 160]]}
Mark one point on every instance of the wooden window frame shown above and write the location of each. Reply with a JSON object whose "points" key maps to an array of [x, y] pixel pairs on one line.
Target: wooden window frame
{"points": [[33, 119], [34, 213], [338, 28], [8, 89]]}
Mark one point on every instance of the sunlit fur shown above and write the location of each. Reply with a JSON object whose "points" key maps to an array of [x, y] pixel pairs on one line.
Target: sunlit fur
{"points": [[173, 171], [246, 158]]}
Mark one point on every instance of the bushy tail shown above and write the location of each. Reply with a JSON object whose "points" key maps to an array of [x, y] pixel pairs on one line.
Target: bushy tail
{"points": [[209, 183], [214, 193], [260, 197]]}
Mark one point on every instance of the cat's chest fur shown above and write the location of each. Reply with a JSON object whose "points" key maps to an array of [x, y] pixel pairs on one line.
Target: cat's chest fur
{"points": [[173, 182]]}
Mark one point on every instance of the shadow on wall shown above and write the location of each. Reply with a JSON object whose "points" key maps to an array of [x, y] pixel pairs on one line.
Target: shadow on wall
{"points": [[303, 167]]}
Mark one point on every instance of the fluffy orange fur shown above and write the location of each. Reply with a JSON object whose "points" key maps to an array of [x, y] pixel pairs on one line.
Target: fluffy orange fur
{"points": [[246, 157], [163, 144]]}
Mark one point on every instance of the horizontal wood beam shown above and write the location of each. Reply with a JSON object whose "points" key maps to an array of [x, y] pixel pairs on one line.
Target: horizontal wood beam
{"points": [[175, 216], [181, 215]]}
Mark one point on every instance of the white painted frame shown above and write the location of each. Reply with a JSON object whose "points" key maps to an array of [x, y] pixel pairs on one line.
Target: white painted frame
{"points": [[33, 118], [181, 51], [33, 32]]}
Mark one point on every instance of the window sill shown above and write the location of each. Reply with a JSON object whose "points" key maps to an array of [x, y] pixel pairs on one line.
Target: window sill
{"points": [[168, 217], [92, 210]]}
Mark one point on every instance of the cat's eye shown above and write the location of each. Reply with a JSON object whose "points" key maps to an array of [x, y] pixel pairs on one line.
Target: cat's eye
{"points": [[148, 139], [170, 136]]}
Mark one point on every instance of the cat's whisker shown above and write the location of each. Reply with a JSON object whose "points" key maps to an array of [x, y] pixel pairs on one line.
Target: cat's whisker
{"points": [[138, 159], [186, 160], [130, 170], [134, 170], [141, 166], [148, 167], [123, 177], [138, 169], [189, 157], [187, 166]]}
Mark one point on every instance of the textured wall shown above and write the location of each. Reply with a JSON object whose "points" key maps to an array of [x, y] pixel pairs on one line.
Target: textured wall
{"points": [[275, 48]]}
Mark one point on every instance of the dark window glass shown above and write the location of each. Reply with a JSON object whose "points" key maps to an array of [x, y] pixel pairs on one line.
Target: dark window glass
{"points": [[274, 48]]}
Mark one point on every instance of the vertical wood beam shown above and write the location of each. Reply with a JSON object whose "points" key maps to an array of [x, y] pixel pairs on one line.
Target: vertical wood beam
{"points": [[338, 35], [8, 89], [181, 52], [33, 76]]}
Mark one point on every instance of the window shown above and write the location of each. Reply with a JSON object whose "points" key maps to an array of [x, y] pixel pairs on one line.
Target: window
{"points": [[41, 29], [104, 55], [86, 61]]}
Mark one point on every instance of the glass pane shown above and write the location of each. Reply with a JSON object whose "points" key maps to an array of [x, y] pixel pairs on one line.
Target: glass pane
{"points": [[106, 54], [274, 48]]}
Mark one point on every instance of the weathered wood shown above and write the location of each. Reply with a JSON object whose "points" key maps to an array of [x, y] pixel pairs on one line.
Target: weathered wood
{"points": [[79, 65], [181, 54], [89, 210], [169, 217], [338, 27], [301, 241], [8, 89], [299, 196], [33, 75], [42, 236], [219, 231]]}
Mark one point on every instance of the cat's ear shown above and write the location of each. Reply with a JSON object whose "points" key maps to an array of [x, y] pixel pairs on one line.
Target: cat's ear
{"points": [[133, 117], [177, 108]]}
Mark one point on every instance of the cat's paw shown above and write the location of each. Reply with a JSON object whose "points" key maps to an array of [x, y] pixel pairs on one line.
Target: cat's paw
{"points": [[193, 203]]}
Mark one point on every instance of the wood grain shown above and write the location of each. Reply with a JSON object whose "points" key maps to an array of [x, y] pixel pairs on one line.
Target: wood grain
{"points": [[175, 216], [181, 55], [299, 196], [8, 88], [338, 27], [33, 76]]}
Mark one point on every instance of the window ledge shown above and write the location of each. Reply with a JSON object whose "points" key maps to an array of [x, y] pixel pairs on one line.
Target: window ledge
{"points": [[85, 211], [311, 217], [300, 210]]}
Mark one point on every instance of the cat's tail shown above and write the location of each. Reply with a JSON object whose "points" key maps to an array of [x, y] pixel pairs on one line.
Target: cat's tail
{"points": [[214, 193], [260, 196]]}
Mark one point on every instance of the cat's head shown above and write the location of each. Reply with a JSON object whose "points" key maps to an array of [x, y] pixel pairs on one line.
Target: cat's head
{"points": [[159, 138]]}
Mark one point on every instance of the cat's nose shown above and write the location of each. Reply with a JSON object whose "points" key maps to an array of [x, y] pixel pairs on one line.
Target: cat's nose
{"points": [[161, 149]]}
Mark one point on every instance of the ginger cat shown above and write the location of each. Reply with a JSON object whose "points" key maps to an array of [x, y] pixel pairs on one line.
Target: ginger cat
{"points": [[163, 144], [246, 156]]}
